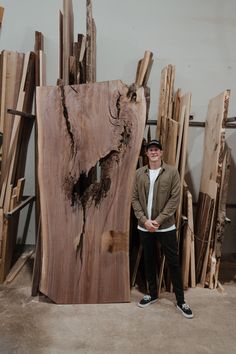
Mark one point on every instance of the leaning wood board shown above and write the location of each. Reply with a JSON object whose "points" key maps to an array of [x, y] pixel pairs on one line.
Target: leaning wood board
{"points": [[85, 225], [214, 143]]}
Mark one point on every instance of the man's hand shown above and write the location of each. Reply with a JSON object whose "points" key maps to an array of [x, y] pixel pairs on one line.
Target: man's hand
{"points": [[151, 225]]}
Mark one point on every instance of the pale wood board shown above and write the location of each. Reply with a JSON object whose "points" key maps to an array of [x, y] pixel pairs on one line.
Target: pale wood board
{"points": [[214, 143], [11, 80], [185, 100], [169, 154], [89, 40], [161, 105]]}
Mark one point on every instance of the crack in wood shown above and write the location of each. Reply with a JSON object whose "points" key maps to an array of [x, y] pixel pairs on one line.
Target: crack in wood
{"points": [[83, 191], [66, 116]]}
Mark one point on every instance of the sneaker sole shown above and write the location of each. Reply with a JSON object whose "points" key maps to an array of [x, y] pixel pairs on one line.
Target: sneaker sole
{"points": [[149, 303], [183, 313]]}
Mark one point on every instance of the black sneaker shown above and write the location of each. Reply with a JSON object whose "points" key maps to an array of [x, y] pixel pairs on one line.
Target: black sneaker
{"points": [[185, 309], [147, 300]]}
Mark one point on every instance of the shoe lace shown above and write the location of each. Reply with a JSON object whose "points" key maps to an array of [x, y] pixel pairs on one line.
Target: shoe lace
{"points": [[146, 297], [185, 307]]}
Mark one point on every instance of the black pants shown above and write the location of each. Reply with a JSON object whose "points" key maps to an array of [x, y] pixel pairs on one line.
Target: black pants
{"points": [[169, 245]]}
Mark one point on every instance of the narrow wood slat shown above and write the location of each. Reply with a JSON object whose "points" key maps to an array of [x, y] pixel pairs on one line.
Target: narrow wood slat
{"points": [[138, 71], [18, 266], [146, 77], [220, 226], [171, 93], [169, 155], [20, 189], [1, 231], [161, 106], [39, 41], [184, 101], [192, 246], [89, 39], [60, 20], [72, 70], [176, 113], [180, 135], [94, 51], [144, 67], [1, 15], [68, 37]]}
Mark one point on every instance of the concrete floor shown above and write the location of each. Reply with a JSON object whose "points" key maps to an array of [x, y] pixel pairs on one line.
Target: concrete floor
{"points": [[31, 325]]}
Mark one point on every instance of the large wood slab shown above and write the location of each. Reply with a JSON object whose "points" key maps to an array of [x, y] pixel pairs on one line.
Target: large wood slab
{"points": [[85, 225]]}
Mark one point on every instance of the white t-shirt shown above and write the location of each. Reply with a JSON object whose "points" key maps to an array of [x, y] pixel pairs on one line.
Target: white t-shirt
{"points": [[153, 174]]}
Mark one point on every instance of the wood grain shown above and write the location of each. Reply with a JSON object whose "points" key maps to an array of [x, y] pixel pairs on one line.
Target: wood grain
{"points": [[85, 226]]}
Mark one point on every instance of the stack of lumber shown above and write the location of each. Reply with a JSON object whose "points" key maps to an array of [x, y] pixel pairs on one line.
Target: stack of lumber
{"points": [[211, 211], [172, 131], [85, 239], [17, 84], [77, 58]]}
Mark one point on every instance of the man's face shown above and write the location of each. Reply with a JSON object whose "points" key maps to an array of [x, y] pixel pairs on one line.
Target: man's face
{"points": [[154, 154]]}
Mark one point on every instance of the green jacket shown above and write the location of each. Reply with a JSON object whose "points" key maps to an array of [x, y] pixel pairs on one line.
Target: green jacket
{"points": [[166, 195]]}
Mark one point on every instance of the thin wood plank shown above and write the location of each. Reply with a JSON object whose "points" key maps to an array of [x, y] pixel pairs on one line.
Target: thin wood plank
{"points": [[1, 15], [21, 261], [169, 154], [184, 101], [161, 106], [60, 20], [144, 67], [89, 35], [68, 37]]}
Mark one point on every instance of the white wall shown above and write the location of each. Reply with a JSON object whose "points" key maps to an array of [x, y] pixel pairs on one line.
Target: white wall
{"points": [[198, 36]]}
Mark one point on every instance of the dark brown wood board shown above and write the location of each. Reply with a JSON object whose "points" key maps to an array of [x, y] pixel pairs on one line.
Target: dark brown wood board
{"points": [[85, 226]]}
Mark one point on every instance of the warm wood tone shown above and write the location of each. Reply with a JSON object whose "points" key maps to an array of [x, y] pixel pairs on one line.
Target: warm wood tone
{"points": [[161, 106], [166, 105], [11, 71], [68, 38], [185, 101], [85, 237], [1, 15], [90, 45], [144, 68], [77, 59], [211, 182], [17, 91], [16, 154], [60, 20], [220, 223], [18, 266], [188, 256]]}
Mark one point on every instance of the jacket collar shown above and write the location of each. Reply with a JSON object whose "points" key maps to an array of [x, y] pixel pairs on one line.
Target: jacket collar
{"points": [[163, 167]]}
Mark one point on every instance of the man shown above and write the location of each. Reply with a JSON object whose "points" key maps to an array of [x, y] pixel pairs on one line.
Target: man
{"points": [[155, 199]]}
